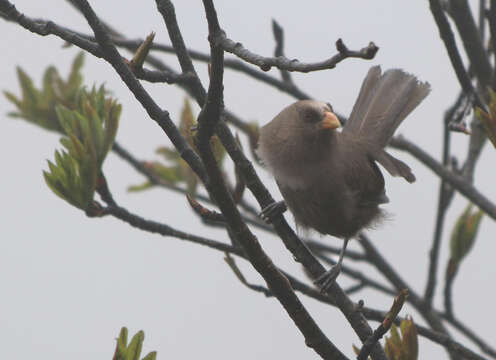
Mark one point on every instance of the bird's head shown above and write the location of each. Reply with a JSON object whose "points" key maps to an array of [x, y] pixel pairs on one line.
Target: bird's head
{"points": [[298, 133], [314, 118]]}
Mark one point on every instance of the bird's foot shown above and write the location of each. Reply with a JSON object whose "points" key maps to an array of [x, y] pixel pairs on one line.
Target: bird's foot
{"points": [[325, 281], [271, 211]]}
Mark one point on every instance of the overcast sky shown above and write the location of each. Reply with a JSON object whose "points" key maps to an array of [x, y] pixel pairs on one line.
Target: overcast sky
{"points": [[69, 282]]}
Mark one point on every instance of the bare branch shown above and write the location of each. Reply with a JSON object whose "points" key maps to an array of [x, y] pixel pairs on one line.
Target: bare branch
{"points": [[282, 63], [445, 196], [457, 181], [45, 28], [211, 112], [449, 41], [165, 230], [492, 29], [206, 214], [472, 41], [279, 50]]}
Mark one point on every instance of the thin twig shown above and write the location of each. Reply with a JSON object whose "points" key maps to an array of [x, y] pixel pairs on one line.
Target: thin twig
{"points": [[456, 181], [449, 41], [445, 195], [48, 28], [104, 191], [155, 180], [492, 29], [165, 230], [214, 105], [461, 14], [279, 50], [451, 271], [234, 267], [484, 346], [385, 325], [283, 63], [206, 214]]}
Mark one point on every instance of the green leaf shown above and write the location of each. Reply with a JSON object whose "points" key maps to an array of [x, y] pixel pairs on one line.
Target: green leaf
{"points": [[123, 337], [75, 78], [167, 153], [410, 338], [151, 356], [113, 113], [29, 92], [136, 188], [187, 122], [135, 346], [12, 98]]}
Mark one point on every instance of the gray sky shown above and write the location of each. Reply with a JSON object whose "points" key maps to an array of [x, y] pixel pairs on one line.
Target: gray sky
{"points": [[69, 283]]}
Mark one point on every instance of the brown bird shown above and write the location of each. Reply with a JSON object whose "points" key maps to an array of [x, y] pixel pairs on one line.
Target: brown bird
{"points": [[329, 179]]}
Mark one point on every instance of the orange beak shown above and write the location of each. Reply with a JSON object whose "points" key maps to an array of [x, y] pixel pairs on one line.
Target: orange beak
{"points": [[329, 122]]}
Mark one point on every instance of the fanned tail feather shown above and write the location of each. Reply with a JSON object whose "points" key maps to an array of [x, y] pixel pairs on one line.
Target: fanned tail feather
{"points": [[385, 100]]}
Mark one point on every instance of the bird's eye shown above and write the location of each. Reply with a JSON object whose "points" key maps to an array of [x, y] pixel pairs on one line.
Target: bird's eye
{"points": [[312, 115]]}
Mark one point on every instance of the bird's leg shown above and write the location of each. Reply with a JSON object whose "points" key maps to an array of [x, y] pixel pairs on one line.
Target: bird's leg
{"points": [[325, 280], [273, 210]]}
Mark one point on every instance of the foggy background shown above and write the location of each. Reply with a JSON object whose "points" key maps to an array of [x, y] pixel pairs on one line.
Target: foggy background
{"points": [[68, 283]]}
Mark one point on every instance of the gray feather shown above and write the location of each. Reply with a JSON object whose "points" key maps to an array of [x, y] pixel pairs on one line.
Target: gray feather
{"points": [[394, 166], [383, 103]]}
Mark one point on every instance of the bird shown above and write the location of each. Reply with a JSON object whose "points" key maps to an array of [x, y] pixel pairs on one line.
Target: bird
{"points": [[329, 178]]}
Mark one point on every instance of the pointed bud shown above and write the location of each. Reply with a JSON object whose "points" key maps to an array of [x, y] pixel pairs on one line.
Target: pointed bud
{"points": [[464, 233], [488, 120], [139, 58]]}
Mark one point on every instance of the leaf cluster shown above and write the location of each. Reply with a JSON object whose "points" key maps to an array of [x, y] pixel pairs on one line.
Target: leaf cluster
{"points": [[175, 170], [88, 121], [404, 346], [131, 350], [37, 106]]}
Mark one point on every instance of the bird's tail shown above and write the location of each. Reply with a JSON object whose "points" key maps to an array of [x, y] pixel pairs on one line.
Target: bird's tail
{"points": [[384, 101]]}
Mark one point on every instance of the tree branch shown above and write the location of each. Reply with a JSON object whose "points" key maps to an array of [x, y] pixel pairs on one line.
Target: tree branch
{"points": [[282, 63], [445, 196], [449, 42], [458, 182], [279, 50], [472, 41], [165, 230], [385, 325]]}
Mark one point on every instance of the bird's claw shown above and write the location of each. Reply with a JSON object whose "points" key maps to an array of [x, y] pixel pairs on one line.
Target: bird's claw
{"points": [[273, 210], [325, 281]]}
